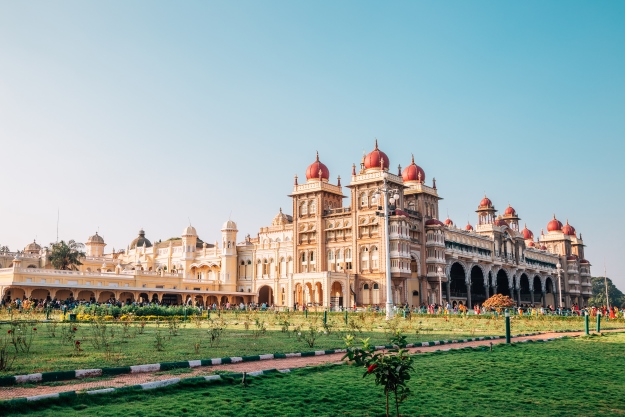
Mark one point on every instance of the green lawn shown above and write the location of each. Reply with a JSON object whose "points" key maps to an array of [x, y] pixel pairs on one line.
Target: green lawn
{"points": [[133, 347], [572, 377]]}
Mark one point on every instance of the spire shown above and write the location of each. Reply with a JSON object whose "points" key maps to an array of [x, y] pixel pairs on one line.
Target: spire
{"points": [[398, 169], [434, 183], [353, 170], [412, 161], [295, 179], [376, 144], [338, 181], [317, 156]]}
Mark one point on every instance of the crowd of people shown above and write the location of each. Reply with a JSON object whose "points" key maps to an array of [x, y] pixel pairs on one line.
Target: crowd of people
{"points": [[612, 312]]}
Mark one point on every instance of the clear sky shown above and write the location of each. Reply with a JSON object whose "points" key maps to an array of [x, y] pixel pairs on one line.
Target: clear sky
{"points": [[130, 114]]}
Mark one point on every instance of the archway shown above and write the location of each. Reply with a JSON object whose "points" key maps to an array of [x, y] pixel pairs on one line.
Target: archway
{"points": [[104, 297], [478, 291], [457, 283], [144, 298], [224, 300], [538, 290], [199, 301], [172, 299], [318, 294], [155, 298], [299, 294], [126, 297], [502, 283], [86, 295], [524, 290], [550, 298], [40, 294], [336, 295], [265, 295]]}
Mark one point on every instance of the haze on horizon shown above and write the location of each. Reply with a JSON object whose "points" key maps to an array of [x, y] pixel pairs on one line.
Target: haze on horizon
{"points": [[151, 114]]}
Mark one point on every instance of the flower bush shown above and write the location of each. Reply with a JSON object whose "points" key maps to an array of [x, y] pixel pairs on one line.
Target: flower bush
{"points": [[499, 301]]}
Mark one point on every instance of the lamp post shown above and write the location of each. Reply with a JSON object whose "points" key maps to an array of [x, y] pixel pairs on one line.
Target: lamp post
{"points": [[440, 285], [390, 196], [558, 267]]}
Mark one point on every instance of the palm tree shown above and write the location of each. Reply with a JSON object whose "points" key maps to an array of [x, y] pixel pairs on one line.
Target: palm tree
{"points": [[66, 255]]}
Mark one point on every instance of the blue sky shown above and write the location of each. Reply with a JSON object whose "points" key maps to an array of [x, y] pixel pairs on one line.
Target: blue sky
{"points": [[150, 113]]}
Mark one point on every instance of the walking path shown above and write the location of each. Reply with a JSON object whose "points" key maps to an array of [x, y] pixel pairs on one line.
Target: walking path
{"points": [[7, 393]]}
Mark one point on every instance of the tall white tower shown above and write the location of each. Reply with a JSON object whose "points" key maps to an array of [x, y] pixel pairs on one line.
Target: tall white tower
{"points": [[229, 256]]}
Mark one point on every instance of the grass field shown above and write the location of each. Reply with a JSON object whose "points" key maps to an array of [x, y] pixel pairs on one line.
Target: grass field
{"points": [[133, 344], [571, 377]]}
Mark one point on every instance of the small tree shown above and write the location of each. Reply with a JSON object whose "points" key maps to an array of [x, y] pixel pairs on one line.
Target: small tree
{"points": [[66, 256], [391, 369]]}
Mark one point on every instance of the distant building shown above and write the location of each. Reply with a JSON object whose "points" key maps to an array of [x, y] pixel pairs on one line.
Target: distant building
{"points": [[329, 254]]}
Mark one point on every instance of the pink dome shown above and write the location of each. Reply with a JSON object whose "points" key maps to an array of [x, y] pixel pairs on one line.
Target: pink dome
{"points": [[434, 222], [527, 233], [376, 158], [554, 225], [468, 227], [413, 172], [449, 222], [486, 203], [312, 173], [567, 229]]}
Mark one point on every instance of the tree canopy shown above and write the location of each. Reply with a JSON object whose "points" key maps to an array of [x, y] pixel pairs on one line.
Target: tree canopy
{"points": [[617, 298], [66, 255]]}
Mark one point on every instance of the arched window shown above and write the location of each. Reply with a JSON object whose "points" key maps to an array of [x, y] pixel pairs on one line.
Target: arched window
{"points": [[376, 294], [364, 259], [303, 208], [313, 207], [330, 255], [366, 294], [374, 258], [259, 269], [312, 256], [364, 201]]}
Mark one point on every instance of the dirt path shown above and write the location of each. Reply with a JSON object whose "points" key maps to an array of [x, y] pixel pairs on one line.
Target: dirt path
{"points": [[288, 363]]}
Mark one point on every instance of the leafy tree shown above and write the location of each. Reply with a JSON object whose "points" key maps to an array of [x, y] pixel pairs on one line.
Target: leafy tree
{"points": [[66, 255], [617, 298], [4, 249]]}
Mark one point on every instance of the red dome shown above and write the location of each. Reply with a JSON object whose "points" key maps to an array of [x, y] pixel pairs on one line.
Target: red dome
{"points": [[486, 203], [543, 247], [527, 233], [554, 225], [500, 222], [510, 211], [376, 158], [413, 172], [312, 173], [434, 222], [583, 261], [468, 227], [449, 222], [568, 229], [531, 244], [571, 258]]}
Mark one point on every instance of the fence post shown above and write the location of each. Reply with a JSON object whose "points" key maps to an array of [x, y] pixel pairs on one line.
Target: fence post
{"points": [[325, 317], [598, 322], [586, 323], [345, 316], [507, 327]]}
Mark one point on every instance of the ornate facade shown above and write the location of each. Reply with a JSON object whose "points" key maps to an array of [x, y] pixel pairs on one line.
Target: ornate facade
{"points": [[329, 254]]}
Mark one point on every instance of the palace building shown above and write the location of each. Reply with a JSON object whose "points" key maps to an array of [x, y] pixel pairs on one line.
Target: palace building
{"points": [[330, 254]]}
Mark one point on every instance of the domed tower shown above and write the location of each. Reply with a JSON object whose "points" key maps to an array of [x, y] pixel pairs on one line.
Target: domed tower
{"points": [[229, 256], [311, 201], [376, 160], [140, 241], [95, 246], [189, 241], [511, 218], [32, 248], [485, 212]]}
